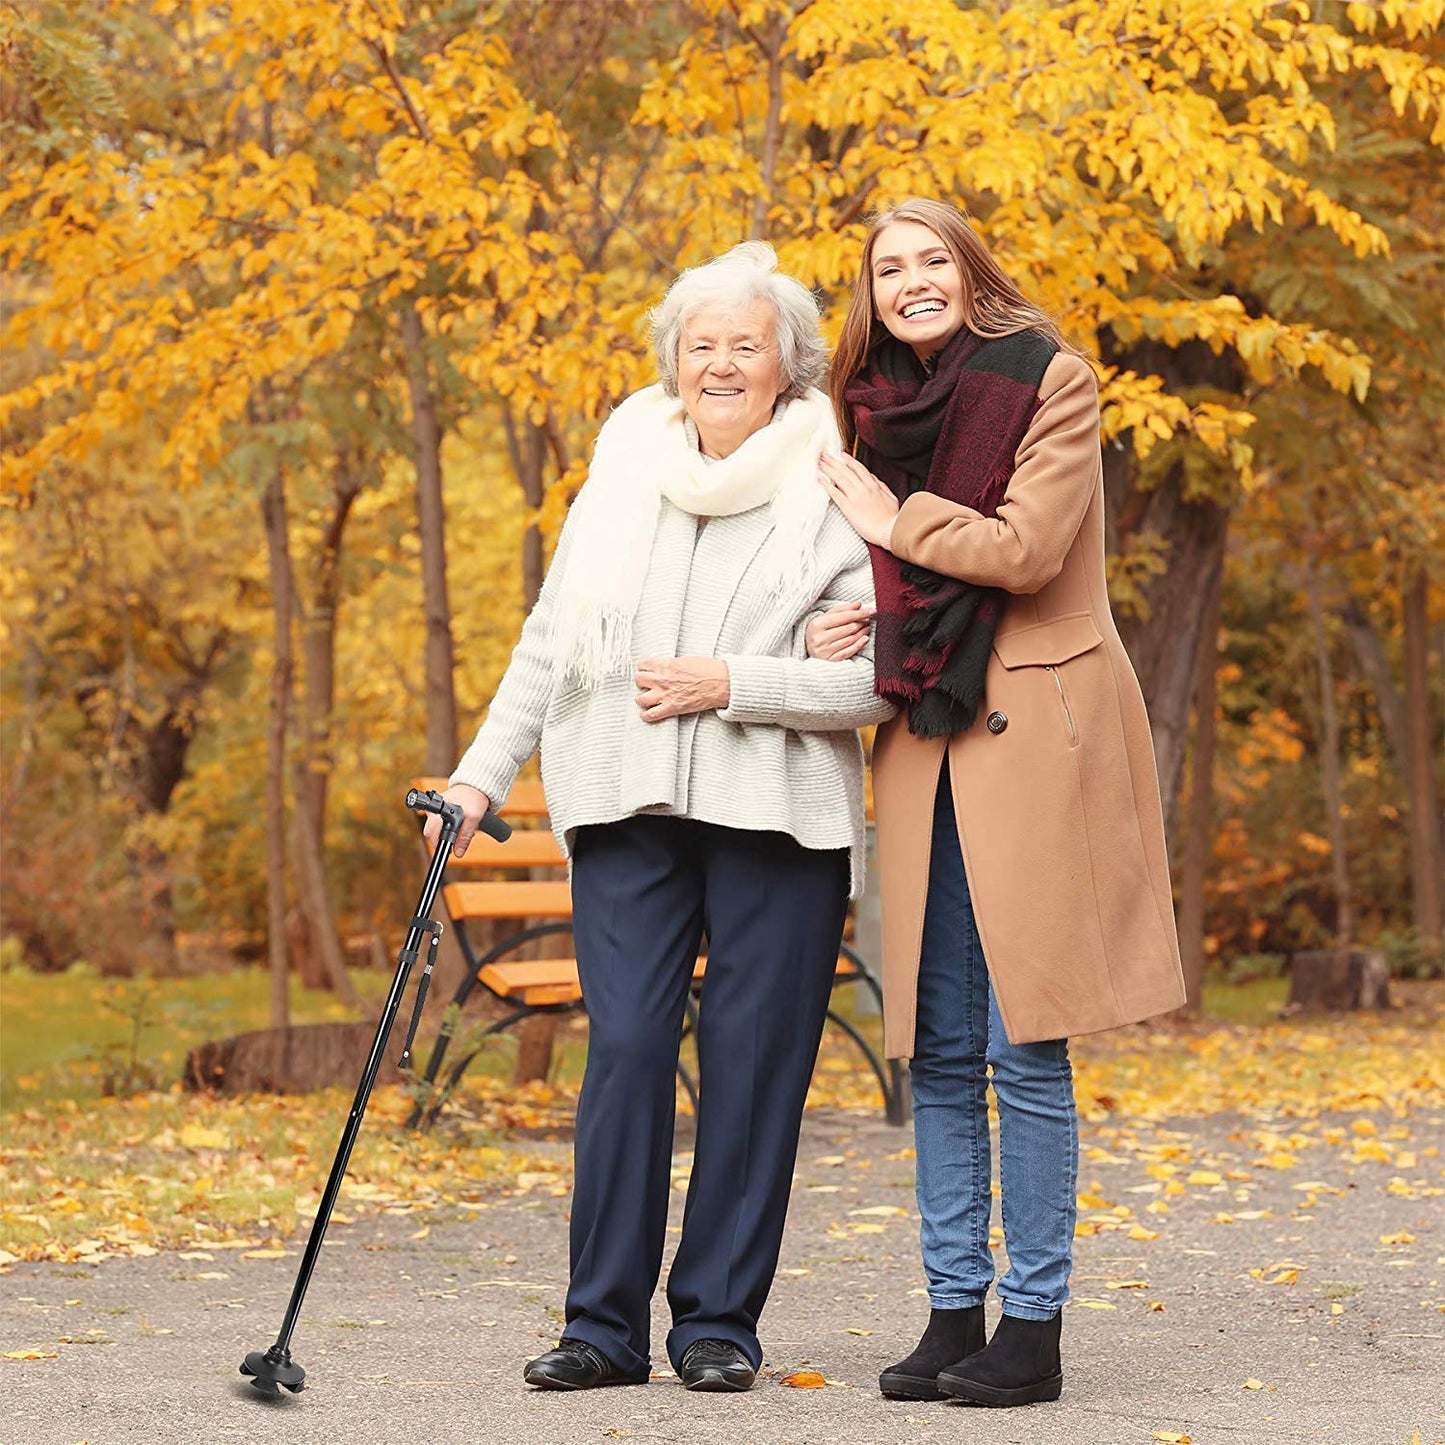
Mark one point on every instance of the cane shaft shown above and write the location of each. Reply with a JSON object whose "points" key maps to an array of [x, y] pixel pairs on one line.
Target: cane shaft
{"points": [[368, 1080]]}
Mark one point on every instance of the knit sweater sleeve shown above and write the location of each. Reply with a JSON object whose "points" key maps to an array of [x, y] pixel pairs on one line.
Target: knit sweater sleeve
{"points": [[512, 729], [804, 693], [1056, 472]]}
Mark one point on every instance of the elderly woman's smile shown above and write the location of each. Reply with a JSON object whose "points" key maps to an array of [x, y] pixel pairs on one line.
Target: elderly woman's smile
{"points": [[729, 374]]}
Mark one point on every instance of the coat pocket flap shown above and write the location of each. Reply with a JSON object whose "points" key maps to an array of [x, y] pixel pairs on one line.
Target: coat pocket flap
{"points": [[1046, 643]]}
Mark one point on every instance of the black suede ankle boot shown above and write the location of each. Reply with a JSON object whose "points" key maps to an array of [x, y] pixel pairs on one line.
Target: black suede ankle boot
{"points": [[951, 1336], [1019, 1365]]}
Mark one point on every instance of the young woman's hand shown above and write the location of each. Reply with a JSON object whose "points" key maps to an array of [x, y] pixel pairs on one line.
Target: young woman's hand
{"points": [[860, 496], [841, 632], [672, 686]]}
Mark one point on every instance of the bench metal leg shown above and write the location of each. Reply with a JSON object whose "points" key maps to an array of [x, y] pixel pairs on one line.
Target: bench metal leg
{"points": [[475, 965], [689, 1026], [896, 1099], [425, 1119]]}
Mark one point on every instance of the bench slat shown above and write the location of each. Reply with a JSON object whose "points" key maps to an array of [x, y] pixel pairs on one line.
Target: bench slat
{"points": [[544, 899], [525, 800], [537, 981], [524, 849]]}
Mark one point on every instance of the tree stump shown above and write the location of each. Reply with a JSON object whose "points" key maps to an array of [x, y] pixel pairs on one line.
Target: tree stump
{"points": [[295, 1060], [1338, 980]]}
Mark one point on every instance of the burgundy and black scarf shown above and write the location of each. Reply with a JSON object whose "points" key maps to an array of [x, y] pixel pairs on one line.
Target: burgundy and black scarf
{"points": [[953, 432]]}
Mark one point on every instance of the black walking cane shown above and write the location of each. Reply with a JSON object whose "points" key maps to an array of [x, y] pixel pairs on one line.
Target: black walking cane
{"points": [[271, 1368]]}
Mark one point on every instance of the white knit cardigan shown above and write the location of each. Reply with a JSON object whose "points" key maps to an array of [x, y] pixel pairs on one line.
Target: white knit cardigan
{"points": [[784, 755]]}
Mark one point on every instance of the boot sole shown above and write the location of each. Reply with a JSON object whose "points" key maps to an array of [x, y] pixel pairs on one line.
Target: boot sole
{"points": [[717, 1383], [908, 1387], [551, 1382], [977, 1393]]}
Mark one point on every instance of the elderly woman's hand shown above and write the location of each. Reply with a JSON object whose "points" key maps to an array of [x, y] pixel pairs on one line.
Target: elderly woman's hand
{"points": [[672, 686], [860, 496], [839, 633], [474, 804]]}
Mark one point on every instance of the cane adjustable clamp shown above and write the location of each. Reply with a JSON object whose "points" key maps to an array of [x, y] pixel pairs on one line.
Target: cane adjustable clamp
{"points": [[407, 957]]}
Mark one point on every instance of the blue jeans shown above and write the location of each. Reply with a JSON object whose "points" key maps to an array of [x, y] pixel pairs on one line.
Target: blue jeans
{"points": [[960, 1035]]}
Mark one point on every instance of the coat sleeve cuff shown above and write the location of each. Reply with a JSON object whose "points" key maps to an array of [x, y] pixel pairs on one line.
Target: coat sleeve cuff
{"points": [[757, 690]]}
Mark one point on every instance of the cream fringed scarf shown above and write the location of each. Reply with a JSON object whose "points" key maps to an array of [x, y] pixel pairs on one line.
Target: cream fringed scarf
{"points": [[644, 453]]}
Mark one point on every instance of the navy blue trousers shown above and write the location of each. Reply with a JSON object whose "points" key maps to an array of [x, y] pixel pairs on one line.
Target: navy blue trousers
{"points": [[644, 891]]}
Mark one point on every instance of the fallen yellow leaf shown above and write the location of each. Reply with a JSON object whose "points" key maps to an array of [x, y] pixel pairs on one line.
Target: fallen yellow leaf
{"points": [[1205, 1176], [263, 1254], [804, 1380], [1172, 1437], [1402, 1237], [31, 1355], [851, 1330], [198, 1136], [1252, 1384]]}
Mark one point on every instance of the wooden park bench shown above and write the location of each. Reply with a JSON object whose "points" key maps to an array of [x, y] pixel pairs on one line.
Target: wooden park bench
{"points": [[499, 882]]}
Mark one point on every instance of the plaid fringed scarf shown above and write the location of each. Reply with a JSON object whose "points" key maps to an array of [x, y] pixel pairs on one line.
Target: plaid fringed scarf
{"points": [[954, 433]]}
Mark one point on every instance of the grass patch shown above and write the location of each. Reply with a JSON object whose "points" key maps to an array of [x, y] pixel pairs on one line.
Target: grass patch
{"points": [[1249, 1001], [68, 1035]]}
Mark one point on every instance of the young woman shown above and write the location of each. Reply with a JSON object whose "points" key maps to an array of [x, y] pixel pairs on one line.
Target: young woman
{"points": [[1024, 882]]}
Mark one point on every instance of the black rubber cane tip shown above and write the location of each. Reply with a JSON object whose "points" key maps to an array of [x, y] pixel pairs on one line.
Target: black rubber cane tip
{"points": [[268, 1370]]}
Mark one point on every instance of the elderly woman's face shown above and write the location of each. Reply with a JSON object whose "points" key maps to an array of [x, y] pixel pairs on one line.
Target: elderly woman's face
{"points": [[729, 373]]}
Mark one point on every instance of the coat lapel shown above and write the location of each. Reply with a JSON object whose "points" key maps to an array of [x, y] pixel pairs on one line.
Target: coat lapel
{"points": [[724, 552]]}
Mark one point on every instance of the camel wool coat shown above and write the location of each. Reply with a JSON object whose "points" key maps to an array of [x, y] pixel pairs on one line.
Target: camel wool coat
{"points": [[1054, 786]]}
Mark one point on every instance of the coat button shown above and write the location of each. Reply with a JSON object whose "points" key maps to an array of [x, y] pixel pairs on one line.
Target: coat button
{"points": [[996, 722]]}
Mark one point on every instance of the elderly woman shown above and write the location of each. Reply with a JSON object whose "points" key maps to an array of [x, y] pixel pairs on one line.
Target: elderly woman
{"points": [[705, 778]]}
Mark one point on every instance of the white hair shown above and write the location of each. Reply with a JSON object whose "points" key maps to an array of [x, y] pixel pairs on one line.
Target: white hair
{"points": [[734, 280]]}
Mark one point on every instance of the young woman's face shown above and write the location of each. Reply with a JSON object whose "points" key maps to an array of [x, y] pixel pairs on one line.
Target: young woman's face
{"points": [[917, 286]]}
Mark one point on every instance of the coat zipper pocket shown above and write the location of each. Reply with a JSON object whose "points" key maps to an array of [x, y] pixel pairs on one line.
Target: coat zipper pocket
{"points": [[1068, 716]]}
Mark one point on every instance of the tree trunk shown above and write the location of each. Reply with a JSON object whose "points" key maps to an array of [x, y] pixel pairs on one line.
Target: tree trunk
{"points": [[1330, 769], [1338, 979], [1164, 647], [1376, 666], [314, 929], [529, 462], [771, 47], [315, 900], [1163, 644], [318, 650], [1425, 844], [535, 1035], [1199, 832], [293, 1060], [441, 707], [273, 512]]}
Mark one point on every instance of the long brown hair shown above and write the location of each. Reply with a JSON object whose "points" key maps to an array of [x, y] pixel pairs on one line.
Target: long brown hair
{"points": [[992, 304]]}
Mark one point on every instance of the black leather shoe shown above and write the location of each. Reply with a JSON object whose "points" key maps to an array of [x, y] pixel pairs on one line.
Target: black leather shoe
{"points": [[1019, 1365], [575, 1365], [951, 1336], [715, 1365]]}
